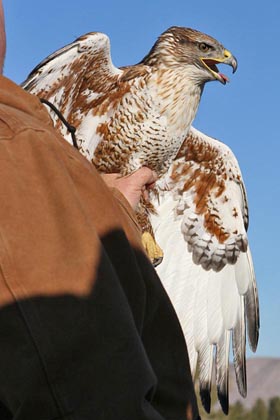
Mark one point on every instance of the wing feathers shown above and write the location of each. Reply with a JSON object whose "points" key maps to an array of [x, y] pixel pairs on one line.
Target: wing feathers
{"points": [[81, 81], [87, 54], [252, 307], [222, 370], [229, 298], [239, 349], [207, 184], [215, 276], [215, 323], [205, 366], [201, 342]]}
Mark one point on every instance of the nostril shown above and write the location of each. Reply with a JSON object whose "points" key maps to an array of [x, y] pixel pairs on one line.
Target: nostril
{"points": [[227, 54]]}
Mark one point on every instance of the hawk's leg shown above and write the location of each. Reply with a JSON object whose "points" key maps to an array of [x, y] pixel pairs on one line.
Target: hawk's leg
{"points": [[153, 250]]}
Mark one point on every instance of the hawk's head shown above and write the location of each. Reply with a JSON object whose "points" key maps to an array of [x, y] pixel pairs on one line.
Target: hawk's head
{"points": [[180, 46]]}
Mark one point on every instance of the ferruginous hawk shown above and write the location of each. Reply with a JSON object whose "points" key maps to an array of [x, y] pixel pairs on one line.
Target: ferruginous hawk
{"points": [[141, 115]]}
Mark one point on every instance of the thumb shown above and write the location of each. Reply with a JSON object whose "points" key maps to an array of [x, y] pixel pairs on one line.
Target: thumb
{"points": [[144, 176]]}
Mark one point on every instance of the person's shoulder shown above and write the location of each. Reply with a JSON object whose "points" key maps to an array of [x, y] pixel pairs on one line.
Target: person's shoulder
{"points": [[19, 110]]}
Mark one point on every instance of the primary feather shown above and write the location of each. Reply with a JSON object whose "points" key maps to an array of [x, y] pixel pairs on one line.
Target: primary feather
{"points": [[141, 115]]}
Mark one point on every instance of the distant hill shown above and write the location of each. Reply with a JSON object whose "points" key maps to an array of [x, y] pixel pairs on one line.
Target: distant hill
{"points": [[263, 377]]}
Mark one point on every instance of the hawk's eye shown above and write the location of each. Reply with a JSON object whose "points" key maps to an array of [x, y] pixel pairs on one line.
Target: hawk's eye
{"points": [[204, 47]]}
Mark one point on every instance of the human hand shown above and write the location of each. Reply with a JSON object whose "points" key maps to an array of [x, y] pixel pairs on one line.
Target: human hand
{"points": [[132, 186]]}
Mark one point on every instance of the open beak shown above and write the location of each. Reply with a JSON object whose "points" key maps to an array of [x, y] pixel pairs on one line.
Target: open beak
{"points": [[210, 64]]}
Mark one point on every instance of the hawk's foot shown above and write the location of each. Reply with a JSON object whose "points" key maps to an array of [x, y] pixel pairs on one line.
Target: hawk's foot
{"points": [[153, 250]]}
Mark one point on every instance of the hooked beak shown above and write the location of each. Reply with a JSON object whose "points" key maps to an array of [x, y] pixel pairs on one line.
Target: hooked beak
{"points": [[210, 64]]}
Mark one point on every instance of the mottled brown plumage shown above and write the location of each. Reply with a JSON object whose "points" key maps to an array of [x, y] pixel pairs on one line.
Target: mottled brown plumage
{"points": [[141, 115]]}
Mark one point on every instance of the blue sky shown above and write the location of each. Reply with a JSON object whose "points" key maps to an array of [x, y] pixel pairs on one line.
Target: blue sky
{"points": [[245, 114]]}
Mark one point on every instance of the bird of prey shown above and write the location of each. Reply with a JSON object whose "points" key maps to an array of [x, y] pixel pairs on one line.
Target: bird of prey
{"points": [[141, 115]]}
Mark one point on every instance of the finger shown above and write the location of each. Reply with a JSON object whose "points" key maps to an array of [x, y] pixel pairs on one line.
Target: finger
{"points": [[145, 176]]}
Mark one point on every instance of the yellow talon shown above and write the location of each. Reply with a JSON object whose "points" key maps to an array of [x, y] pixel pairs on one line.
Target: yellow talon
{"points": [[153, 250]]}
